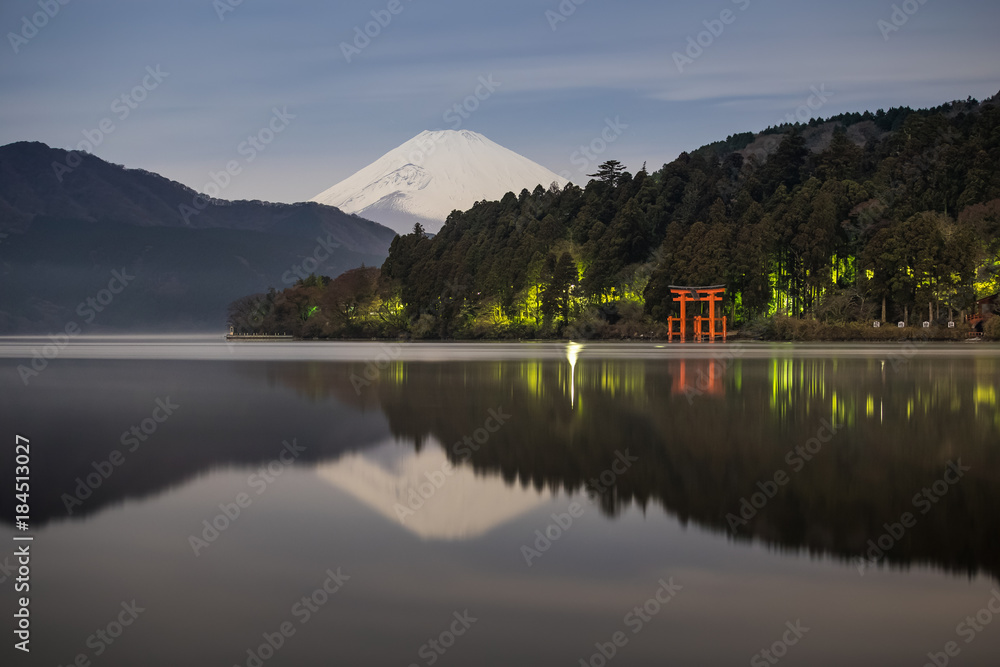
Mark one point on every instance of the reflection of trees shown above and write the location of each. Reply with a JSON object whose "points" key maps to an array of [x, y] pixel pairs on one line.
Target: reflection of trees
{"points": [[705, 435], [702, 451]]}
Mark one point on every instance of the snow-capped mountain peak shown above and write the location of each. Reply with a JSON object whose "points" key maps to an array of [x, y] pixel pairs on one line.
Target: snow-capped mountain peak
{"points": [[433, 174]]}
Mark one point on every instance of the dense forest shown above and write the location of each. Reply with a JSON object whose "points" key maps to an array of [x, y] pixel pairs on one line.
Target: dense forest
{"points": [[893, 215]]}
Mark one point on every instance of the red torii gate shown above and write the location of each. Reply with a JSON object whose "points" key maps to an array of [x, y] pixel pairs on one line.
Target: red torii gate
{"points": [[686, 295]]}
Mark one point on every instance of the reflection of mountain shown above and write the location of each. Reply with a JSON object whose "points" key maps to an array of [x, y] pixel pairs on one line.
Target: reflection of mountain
{"points": [[703, 442], [426, 494], [705, 445], [230, 415], [706, 433]]}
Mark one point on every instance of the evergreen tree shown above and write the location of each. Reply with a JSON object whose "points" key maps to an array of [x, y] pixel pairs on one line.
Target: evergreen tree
{"points": [[609, 172]]}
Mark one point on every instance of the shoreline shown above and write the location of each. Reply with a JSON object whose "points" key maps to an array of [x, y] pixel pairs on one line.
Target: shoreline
{"points": [[772, 329], [216, 349], [893, 335]]}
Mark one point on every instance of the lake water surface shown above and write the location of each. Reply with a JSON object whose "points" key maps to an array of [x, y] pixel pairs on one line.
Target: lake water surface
{"points": [[205, 503]]}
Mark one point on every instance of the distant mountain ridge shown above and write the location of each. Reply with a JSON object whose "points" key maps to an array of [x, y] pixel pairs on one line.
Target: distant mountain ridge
{"points": [[435, 173], [31, 186], [71, 218]]}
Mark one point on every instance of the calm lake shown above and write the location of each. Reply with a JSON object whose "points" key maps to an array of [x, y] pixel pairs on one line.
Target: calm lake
{"points": [[195, 502]]}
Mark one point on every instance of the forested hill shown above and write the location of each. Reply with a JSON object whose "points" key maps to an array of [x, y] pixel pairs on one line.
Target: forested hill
{"points": [[827, 218], [69, 219]]}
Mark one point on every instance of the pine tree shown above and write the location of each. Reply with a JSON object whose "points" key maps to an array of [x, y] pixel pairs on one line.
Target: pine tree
{"points": [[609, 172]]}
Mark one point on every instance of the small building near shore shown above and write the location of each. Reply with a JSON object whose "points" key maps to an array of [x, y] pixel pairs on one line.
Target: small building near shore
{"points": [[985, 309]]}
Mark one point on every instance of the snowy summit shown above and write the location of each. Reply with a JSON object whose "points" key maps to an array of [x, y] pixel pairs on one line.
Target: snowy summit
{"points": [[433, 174]]}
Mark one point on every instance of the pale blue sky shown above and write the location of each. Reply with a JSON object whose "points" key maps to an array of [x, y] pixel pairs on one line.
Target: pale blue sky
{"points": [[556, 87]]}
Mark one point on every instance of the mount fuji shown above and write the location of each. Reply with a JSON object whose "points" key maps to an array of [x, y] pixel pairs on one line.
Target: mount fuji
{"points": [[433, 174]]}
